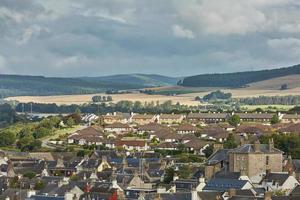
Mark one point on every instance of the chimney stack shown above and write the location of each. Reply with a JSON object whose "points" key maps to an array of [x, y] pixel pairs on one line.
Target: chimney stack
{"points": [[271, 144], [268, 196], [231, 192], [256, 146]]}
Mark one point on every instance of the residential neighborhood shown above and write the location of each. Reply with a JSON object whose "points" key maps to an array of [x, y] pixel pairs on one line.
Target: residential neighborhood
{"points": [[165, 156]]}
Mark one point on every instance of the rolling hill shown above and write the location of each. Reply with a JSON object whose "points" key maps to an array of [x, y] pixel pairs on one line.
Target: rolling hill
{"points": [[292, 81], [238, 79], [151, 80], [19, 85]]}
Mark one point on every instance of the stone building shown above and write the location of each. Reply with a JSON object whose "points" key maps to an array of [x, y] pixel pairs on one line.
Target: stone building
{"points": [[255, 159]]}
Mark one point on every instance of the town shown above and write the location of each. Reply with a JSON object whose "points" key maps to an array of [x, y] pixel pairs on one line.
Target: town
{"points": [[195, 156]]}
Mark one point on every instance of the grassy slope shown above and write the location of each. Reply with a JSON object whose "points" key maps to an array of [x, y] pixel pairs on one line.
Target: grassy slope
{"points": [[293, 81]]}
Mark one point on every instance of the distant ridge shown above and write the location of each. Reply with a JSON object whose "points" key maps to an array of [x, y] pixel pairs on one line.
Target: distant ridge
{"points": [[20, 85], [137, 79], [237, 79]]}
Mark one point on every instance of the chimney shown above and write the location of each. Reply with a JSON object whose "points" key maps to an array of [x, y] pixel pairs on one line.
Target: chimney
{"points": [[268, 196], [271, 144], [30, 193], [231, 192], [157, 197], [68, 196], [256, 146], [194, 194], [242, 141], [175, 177]]}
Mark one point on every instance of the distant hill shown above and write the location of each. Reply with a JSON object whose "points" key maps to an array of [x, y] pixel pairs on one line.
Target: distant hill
{"points": [[292, 81], [151, 80], [238, 79], [17, 85]]}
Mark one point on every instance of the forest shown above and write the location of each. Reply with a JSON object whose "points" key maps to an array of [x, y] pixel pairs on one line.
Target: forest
{"points": [[270, 100], [237, 79]]}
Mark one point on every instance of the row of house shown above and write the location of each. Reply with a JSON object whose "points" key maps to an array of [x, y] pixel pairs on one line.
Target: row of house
{"points": [[166, 139], [196, 118]]}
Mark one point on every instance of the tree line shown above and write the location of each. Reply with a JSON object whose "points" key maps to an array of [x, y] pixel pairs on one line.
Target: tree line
{"points": [[270, 100], [103, 108]]}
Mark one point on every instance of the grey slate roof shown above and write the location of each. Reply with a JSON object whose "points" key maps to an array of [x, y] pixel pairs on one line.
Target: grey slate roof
{"points": [[218, 156], [222, 184], [249, 148], [280, 178]]}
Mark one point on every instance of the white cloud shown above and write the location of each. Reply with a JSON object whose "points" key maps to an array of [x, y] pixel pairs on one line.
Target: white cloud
{"points": [[181, 32], [284, 43], [32, 31], [12, 15], [289, 47], [290, 28], [236, 17], [68, 61]]}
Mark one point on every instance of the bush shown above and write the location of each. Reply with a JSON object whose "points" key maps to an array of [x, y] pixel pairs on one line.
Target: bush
{"points": [[29, 175], [7, 138]]}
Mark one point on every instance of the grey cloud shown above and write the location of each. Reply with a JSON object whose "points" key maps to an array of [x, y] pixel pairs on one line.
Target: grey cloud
{"points": [[172, 37]]}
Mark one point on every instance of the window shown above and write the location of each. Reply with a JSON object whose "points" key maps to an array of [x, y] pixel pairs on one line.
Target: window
{"points": [[267, 160]]}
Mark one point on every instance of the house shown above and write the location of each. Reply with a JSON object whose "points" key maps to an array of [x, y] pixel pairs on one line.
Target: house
{"points": [[253, 129], [186, 128], [290, 118], [116, 117], [142, 119], [138, 145], [292, 165], [255, 117], [165, 136], [207, 117], [89, 135], [290, 129], [254, 159], [216, 162], [214, 132], [117, 127], [166, 146], [197, 146], [279, 181], [150, 128], [170, 118]]}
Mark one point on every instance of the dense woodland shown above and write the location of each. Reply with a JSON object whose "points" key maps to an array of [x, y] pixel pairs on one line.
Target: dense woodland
{"points": [[237, 79], [17, 85], [271, 100], [102, 108]]}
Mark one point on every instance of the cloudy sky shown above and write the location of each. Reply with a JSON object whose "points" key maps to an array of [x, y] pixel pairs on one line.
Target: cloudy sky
{"points": [[170, 37]]}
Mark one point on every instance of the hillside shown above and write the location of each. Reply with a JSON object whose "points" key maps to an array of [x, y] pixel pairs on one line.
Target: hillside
{"points": [[15, 85], [151, 80], [238, 79], [18, 85], [292, 81]]}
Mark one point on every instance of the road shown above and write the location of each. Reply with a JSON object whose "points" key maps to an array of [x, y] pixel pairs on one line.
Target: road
{"points": [[45, 141]]}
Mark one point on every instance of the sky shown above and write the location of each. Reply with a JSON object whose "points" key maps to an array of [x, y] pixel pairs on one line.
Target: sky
{"points": [[70, 38]]}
